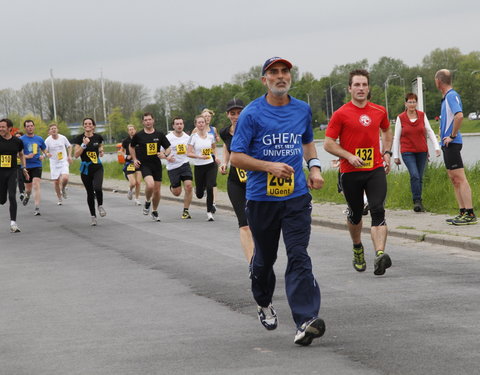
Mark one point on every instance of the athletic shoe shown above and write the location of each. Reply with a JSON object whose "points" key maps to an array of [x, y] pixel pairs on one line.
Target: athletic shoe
{"points": [[64, 192], [14, 228], [155, 216], [450, 221], [186, 215], [382, 262], [21, 197], [418, 206], [308, 331], [465, 220], [137, 202], [59, 203], [210, 216], [358, 262], [214, 208], [130, 194], [366, 208], [268, 317], [102, 211], [36, 212], [26, 199], [146, 208], [94, 221]]}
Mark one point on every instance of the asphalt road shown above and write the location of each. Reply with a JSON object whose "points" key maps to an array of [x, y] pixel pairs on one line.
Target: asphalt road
{"points": [[132, 296]]}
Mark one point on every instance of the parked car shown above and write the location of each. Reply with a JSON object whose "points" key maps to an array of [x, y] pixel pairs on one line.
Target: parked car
{"points": [[473, 116]]}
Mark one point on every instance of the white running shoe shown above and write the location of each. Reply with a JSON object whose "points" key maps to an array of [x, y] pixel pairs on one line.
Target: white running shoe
{"points": [[137, 202], [64, 192], [210, 216], [130, 194], [102, 211], [94, 221], [14, 228], [59, 203], [155, 216], [268, 317]]}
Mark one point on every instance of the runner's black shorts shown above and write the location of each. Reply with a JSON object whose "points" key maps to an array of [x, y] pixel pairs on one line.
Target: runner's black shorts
{"points": [[33, 173], [152, 169], [452, 157], [374, 184], [182, 173], [237, 192]]}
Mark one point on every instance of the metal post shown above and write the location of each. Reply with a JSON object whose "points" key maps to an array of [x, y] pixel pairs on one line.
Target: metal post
{"points": [[53, 96], [104, 107]]}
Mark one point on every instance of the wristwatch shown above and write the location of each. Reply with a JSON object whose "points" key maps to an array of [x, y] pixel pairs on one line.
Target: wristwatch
{"points": [[452, 136]]}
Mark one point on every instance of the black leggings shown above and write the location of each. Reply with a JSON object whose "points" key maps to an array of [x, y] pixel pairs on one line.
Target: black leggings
{"points": [[8, 186], [93, 185], [236, 193], [20, 180], [205, 176], [374, 183]]}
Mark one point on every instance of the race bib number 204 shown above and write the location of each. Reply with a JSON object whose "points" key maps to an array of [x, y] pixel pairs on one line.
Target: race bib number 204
{"points": [[280, 187]]}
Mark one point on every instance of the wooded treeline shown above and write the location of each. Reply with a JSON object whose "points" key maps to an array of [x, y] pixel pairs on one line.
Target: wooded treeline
{"points": [[124, 103]]}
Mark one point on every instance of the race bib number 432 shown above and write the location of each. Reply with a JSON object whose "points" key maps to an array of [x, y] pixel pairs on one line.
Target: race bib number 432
{"points": [[280, 187], [366, 154]]}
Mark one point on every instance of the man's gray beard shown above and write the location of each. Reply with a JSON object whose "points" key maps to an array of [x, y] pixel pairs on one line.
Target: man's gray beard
{"points": [[279, 91]]}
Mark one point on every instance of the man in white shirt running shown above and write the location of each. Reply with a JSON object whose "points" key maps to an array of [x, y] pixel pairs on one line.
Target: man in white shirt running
{"points": [[59, 152], [178, 165]]}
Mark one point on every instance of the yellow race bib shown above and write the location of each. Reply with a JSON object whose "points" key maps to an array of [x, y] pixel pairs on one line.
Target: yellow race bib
{"points": [[242, 175], [5, 161], [92, 155], [366, 154], [181, 149], [151, 149], [280, 187], [34, 148], [131, 167], [206, 151], [60, 155]]}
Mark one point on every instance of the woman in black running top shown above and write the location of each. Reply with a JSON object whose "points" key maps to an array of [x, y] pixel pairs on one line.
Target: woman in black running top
{"points": [[237, 178], [89, 147]]}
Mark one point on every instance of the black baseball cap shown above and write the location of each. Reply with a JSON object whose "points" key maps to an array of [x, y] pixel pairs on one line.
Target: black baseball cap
{"points": [[273, 60], [235, 103]]}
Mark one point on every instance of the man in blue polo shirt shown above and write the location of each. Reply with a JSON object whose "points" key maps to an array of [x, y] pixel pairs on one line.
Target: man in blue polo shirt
{"points": [[451, 143], [272, 137], [34, 150]]}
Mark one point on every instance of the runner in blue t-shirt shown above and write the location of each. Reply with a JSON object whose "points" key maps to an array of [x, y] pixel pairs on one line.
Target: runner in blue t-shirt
{"points": [[34, 150], [272, 137], [451, 142]]}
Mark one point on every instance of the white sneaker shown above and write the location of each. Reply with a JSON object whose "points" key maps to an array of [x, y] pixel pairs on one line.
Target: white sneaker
{"points": [[64, 192], [59, 203], [309, 331], [130, 194], [94, 221], [14, 228], [102, 211], [137, 202], [268, 317], [210, 216]]}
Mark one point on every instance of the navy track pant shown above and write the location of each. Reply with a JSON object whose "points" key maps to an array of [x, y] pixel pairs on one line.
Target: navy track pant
{"points": [[293, 219]]}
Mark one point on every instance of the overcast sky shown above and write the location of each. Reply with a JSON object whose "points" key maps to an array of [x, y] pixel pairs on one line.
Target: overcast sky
{"points": [[163, 42]]}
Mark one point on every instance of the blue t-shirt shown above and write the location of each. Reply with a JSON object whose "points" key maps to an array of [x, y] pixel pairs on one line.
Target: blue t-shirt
{"points": [[274, 133], [33, 145], [451, 104]]}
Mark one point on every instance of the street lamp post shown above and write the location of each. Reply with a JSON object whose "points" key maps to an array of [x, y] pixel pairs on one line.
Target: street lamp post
{"points": [[391, 76], [53, 96], [331, 97]]}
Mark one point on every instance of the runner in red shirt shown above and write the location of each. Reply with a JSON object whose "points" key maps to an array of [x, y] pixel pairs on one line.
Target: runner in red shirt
{"points": [[363, 166]]}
